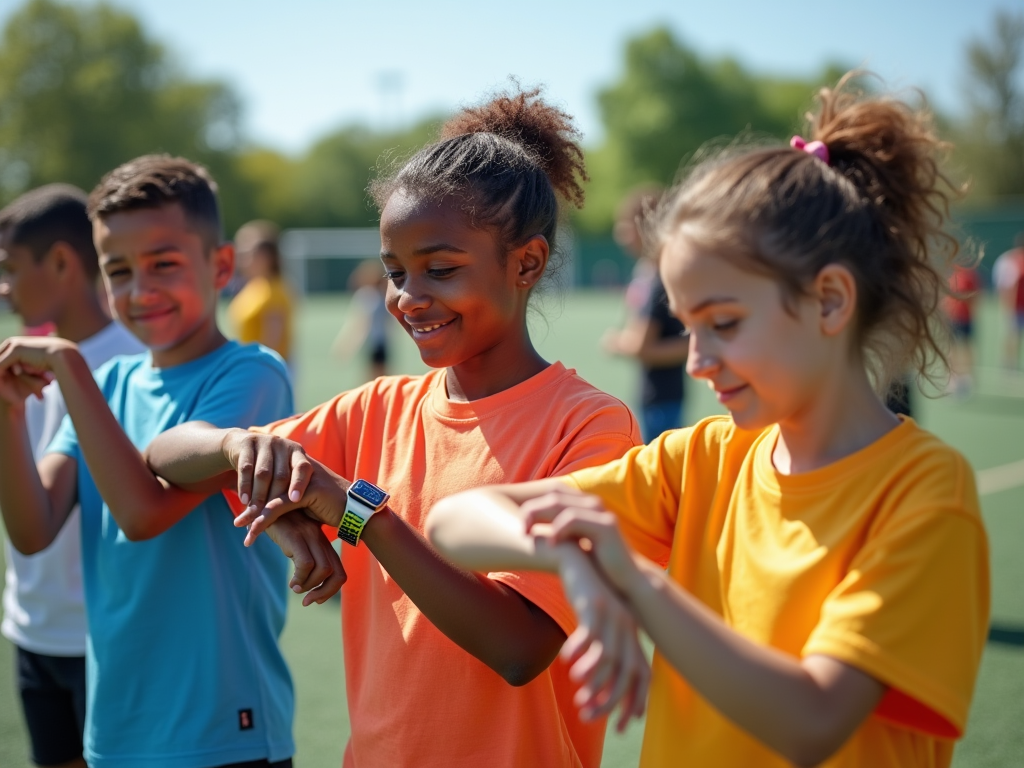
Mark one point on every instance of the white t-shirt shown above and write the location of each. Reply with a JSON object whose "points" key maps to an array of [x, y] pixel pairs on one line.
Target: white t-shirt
{"points": [[43, 610], [1006, 270]]}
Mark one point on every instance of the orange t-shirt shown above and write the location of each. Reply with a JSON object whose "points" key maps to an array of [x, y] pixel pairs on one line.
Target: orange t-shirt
{"points": [[415, 698], [879, 560]]}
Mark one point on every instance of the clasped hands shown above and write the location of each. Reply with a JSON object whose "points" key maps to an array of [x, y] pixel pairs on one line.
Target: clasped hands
{"points": [[289, 495], [597, 571]]}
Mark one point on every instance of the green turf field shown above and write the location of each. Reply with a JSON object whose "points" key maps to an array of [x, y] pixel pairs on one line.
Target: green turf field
{"points": [[988, 428]]}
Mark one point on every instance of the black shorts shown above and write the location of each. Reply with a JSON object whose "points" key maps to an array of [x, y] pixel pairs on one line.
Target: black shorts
{"points": [[52, 692], [379, 354]]}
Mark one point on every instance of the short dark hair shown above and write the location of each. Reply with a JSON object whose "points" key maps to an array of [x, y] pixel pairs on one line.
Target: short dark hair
{"points": [[152, 181], [51, 214]]}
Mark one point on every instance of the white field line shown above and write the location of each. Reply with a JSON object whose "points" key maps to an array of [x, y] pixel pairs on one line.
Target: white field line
{"points": [[1000, 478]]}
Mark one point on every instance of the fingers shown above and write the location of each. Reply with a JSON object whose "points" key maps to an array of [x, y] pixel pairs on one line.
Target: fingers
{"points": [[244, 468], [332, 584], [302, 471], [600, 667], [269, 467], [317, 567], [575, 524], [258, 522], [546, 508]]}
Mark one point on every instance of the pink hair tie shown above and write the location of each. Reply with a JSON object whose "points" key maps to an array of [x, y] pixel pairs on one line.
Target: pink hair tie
{"points": [[816, 148]]}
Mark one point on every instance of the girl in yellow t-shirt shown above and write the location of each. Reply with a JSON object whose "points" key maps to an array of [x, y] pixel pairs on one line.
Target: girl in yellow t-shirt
{"points": [[262, 311], [813, 570]]}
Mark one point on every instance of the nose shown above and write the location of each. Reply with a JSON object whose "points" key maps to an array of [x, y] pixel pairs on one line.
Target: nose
{"points": [[143, 289], [701, 361], [408, 298]]}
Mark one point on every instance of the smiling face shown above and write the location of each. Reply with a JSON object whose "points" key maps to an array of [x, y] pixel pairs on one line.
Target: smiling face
{"points": [[448, 284], [163, 280], [765, 364]]}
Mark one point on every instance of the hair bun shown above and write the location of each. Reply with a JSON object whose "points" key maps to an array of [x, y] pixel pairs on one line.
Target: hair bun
{"points": [[545, 132], [889, 151]]}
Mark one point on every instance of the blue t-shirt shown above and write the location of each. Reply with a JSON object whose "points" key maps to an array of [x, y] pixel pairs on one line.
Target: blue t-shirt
{"points": [[183, 666]]}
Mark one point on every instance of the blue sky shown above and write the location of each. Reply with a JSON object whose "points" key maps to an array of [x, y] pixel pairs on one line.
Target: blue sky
{"points": [[304, 67]]}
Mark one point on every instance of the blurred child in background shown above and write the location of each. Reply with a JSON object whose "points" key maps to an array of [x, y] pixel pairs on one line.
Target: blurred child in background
{"points": [[183, 665], [365, 329], [1008, 277], [262, 311], [444, 667], [652, 336], [49, 271], [959, 307], [826, 597]]}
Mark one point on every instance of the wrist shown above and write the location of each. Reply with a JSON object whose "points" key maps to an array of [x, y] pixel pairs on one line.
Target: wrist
{"points": [[230, 442], [634, 578], [13, 412], [377, 528], [67, 361]]}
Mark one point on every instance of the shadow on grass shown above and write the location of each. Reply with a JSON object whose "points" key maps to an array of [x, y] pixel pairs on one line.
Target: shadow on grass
{"points": [[1005, 634]]}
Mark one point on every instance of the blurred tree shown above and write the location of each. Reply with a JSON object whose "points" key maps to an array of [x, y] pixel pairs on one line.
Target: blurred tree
{"points": [[667, 103], [82, 89], [326, 186], [992, 138]]}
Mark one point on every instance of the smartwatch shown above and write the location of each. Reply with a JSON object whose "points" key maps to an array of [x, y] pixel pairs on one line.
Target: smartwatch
{"points": [[364, 500]]}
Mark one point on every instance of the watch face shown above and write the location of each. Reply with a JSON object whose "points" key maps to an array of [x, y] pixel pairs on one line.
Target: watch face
{"points": [[368, 493]]}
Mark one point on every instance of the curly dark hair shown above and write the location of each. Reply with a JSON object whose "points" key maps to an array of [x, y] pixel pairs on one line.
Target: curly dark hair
{"points": [[507, 162], [880, 207]]}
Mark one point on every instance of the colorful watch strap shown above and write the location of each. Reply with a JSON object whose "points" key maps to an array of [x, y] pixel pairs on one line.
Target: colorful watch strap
{"points": [[354, 520]]}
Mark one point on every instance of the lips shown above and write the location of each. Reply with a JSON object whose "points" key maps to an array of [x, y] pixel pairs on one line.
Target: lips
{"points": [[725, 395], [150, 315]]}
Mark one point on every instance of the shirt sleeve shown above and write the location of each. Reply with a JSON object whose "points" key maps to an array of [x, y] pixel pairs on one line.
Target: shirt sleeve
{"points": [[252, 391], [615, 434], [913, 613], [643, 489], [66, 439]]}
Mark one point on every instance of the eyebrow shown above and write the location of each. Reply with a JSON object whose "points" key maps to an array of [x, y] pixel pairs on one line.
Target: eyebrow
{"points": [[709, 302], [158, 251], [427, 250]]}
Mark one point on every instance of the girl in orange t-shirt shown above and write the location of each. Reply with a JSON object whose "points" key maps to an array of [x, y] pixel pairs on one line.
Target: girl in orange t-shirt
{"points": [[444, 667], [813, 570]]}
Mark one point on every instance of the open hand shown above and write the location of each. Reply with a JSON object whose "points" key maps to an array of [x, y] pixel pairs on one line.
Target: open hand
{"points": [[604, 651], [318, 569]]}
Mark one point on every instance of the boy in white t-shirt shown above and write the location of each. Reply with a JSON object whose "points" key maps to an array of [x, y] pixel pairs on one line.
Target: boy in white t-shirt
{"points": [[48, 273], [1008, 278]]}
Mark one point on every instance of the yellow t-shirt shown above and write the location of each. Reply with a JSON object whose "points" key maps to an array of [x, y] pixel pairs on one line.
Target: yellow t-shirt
{"points": [[260, 306], [879, 560]]}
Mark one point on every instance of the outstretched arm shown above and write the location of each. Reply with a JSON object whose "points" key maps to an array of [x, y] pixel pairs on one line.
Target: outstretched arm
{"points": [[488, 619], [805, 709]]}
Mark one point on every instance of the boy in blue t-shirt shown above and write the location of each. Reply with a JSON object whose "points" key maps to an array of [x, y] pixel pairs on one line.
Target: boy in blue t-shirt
{"points": [[183, 664]]}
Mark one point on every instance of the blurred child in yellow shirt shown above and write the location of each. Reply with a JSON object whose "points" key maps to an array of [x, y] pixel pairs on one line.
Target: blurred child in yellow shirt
{"points": [[813, 569], [262, 311]]}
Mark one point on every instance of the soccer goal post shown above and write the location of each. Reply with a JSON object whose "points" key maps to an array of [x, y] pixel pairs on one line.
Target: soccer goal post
{"points": [[319, 260]]}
